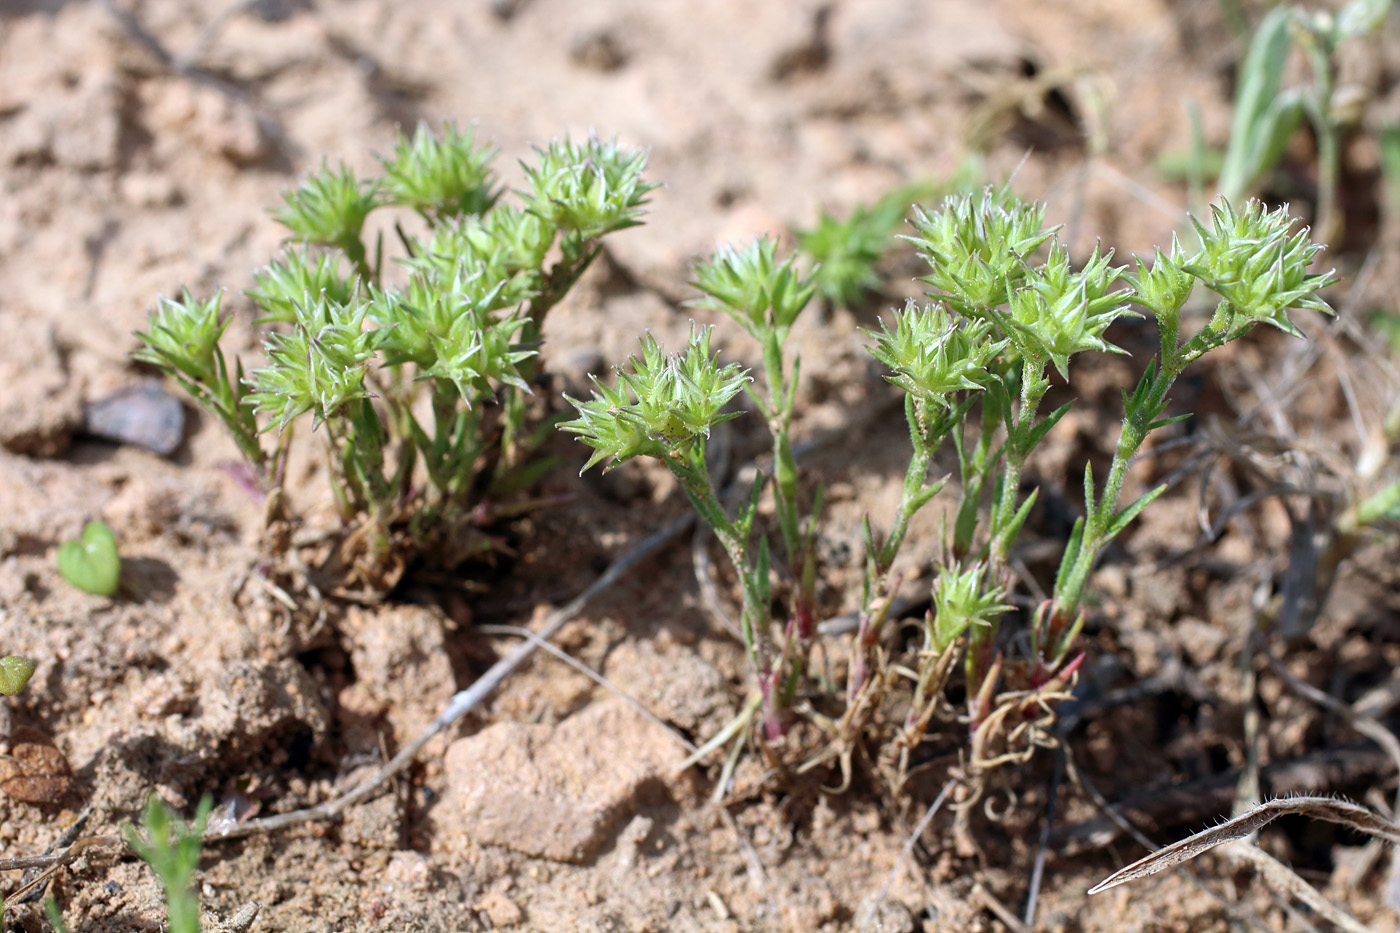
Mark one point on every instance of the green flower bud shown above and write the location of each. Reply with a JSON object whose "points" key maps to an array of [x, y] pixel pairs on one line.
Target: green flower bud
{"points": [[751, 286], [441, 177], [663, 404], [935, 353]]}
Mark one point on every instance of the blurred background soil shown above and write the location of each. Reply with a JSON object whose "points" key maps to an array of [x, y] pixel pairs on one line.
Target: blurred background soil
{"points": [[141, 142]]}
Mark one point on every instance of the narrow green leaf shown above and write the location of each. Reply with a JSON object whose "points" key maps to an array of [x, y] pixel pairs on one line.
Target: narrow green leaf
{"points": [[1037, 433], [1071, 555], [1123, 518]]}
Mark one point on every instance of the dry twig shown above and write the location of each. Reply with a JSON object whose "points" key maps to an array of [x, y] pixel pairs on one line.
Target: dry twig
{"points": [[463, 703]]}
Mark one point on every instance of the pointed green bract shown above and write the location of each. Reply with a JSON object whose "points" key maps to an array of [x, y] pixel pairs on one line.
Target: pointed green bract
{"points": [[660, 404]]}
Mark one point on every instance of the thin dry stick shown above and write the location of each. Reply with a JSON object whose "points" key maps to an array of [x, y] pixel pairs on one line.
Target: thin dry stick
{"points": [[1003, 913], [67, 855], [1359, 818], [464, 702], [1038, 867], [909, 844], [758, 878], [588, 672]]}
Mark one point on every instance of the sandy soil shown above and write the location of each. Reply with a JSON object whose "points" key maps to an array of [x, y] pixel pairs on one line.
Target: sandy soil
{"points": [[141, 142]]}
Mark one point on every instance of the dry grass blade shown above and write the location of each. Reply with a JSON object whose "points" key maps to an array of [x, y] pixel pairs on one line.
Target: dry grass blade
{"points": [[1344, 812]]}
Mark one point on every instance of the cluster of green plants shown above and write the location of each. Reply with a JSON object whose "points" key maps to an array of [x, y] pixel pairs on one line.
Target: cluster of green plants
{"points": [[419, 383], [1007, 313]]}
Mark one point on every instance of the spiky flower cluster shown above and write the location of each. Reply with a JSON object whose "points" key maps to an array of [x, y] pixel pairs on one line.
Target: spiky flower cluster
{"points": [[1253, 260], [749, 284], [1058, 312], [978, 246], [962, 597], [662, 405], [329, 208], [588, 189], [935, 353], [294, 277], [183, 337], [1163, 286], [318, 367], [504, 250], [441, 176]]}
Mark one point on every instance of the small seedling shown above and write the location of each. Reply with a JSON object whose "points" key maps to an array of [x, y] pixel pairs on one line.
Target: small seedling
{"points": [[15, 672], [91, 562], [171, 847], [849, 250]]}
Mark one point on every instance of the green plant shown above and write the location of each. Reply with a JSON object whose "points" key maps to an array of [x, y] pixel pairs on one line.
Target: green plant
{"points": [[848, 250], [419, 389], [91, 562], [1008, 313], [15, 672], [171, 847], [1267, 114]]}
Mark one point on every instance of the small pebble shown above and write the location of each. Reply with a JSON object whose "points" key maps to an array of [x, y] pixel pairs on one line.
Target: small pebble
{"points": [[144, 415]]}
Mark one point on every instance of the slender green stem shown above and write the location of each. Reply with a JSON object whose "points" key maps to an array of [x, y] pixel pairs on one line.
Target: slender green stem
{"points": [[911, 497], [779, 409], [1019, 442], [354, 249], [688, 466]]}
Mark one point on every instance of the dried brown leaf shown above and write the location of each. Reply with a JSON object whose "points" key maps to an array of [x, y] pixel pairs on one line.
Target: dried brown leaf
{"points": [[1333, 810]]}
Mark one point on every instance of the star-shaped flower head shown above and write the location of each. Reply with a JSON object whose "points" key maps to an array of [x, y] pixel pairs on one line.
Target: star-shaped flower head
{"points": [[1251, 259], [660, 405]]}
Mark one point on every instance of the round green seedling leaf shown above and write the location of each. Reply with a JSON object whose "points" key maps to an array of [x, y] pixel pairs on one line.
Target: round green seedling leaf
{"points": [[15, 672], [92, 563]]}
